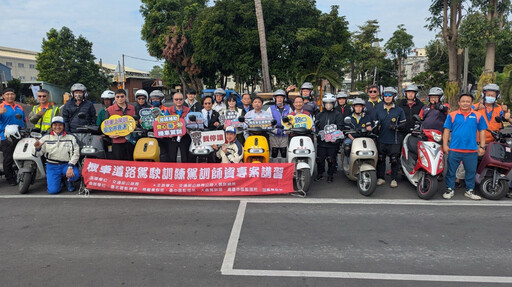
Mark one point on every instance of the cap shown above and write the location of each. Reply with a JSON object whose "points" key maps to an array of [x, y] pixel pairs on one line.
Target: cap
{"points": [[8, 90], [231, 130], [58, 119]]}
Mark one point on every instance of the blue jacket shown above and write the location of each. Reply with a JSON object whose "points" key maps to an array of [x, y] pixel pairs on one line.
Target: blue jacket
{"points": [[394, 117], [277, 115], [9, 117]]}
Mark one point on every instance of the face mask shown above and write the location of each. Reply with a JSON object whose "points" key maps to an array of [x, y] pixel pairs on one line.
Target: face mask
{"points": [[490, 100], [329, 106], [155, 103]]}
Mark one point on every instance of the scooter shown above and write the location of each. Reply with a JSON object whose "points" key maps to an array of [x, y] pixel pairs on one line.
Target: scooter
{"points": [[359, 161], [491, 173], [422, 159], [146, 148], [30, 167], [256, 147], [200, 152], [301, 152]]}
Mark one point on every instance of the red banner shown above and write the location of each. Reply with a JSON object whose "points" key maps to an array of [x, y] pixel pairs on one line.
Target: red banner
{"points": [[206, 179]]}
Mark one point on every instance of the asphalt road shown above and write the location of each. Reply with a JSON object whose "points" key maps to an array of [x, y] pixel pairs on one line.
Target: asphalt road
{"points": [[334, 237]]}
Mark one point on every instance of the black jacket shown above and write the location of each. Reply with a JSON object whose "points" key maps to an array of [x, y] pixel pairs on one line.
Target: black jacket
{"points": [[409, 112], [139, 107], [196, 107], [70, 113], [328, 118], [345, 111], [214, 118]]}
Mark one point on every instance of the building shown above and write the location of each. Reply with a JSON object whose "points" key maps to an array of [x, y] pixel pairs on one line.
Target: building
{"points": [[21, 62], [5, 74], [415, 64], [133, 79]]}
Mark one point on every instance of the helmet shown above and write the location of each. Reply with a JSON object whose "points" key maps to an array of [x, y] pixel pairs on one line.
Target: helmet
{"points": [[412, 88], [58, 119], [389, 90], [436, 91], [307, 86], [341, 95], [219, 91], [108, 94], [157, 94], [491, 87], [141, 92], [12, 130], [328, 98], [279, 93], [79, 87], [231, 129], [358, 101]]}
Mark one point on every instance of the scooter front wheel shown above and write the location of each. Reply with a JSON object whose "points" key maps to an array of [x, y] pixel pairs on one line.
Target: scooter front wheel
{"points": [[498, 192], [303, 179], [24, 183], [427, 186], [367, 182]]}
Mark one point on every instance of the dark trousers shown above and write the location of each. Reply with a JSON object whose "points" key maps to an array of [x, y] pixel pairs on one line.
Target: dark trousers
{"points": [[7, 148], [171, 146], [122, 151], [393, 152], [329, 154]]}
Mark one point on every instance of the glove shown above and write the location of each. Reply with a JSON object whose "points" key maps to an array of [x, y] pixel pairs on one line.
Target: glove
{"points": [[442, 108], [392, 127]]}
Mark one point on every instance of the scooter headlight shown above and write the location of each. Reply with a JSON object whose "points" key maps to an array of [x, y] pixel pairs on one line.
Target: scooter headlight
{"points": [[423, 158], [509, 141], [302, 151], [88, 150], [437, 136], [200, 151], [364, 152], [256, 150]]}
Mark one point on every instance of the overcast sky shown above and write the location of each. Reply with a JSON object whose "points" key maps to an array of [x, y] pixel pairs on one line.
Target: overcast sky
{"points": [[114, 26]]}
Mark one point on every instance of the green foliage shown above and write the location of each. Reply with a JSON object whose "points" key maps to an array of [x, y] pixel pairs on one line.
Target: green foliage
{"points": [[400, 44], [504, 80], [65, 60], [16, 85], [156, 72]]}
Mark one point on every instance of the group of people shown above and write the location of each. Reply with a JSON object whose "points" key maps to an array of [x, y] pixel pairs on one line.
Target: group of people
{"points": [[464, 130]]}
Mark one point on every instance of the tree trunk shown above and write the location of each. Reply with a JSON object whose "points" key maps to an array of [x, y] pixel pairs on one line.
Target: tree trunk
{"points": [[490, 56], [400, 76], [352, 75], [263, 47]]}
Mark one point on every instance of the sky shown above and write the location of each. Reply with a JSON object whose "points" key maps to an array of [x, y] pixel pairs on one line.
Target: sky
{"points": [[113, 26]]}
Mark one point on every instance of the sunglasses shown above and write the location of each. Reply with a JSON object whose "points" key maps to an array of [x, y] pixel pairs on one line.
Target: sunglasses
{"points": [[179, 99], [388, 95], [119, 97], [372, 92], [207, 104], [41, 96]]}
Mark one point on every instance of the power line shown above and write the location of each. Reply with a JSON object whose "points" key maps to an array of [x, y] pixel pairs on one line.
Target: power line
{"points": [[148, 60]]}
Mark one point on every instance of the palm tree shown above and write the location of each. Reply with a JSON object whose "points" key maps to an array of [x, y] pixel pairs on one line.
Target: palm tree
{"points": [[263, 47]]}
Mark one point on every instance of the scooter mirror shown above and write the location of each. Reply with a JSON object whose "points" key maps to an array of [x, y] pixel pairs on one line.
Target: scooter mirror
{"points": [[416, 118], [347, 120], [498, 119], [18, 116], [274, 122], [81, 115], [241, 119], [192, 118], [36, 135]]}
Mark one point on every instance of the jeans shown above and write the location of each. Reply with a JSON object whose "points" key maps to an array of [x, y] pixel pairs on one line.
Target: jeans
{"points": [[55, 173], [470, 162]]}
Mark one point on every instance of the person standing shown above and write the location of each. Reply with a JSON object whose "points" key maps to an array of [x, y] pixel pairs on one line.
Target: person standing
{"points": [[107, 99], [307, 93], [62, 153], [434, 114], [142, 101], [181, 142], [411, 106], [327, 151], [11, 116], [42, 114], [191, 101], [279, 140], [121, 148], [373, 102], [391, 119], [78, 104], [463, 126], [219, 105], [246, 103], [342, 107]]}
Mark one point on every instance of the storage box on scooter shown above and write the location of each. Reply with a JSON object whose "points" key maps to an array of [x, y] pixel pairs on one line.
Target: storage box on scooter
{"points": [[147, 149]]}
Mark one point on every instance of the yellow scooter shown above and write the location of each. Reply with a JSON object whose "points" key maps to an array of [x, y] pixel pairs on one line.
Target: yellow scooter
{"points": [[256, 148]]}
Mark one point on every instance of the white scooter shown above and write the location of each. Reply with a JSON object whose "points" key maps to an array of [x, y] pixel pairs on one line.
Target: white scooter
{"points": [[362, 162], [301, 152], [422, 159], [30, 167], [200, 152]]}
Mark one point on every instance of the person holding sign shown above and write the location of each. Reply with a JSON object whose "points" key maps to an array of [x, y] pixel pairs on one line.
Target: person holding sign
{"points": [[142, 101], [121, 148], [232, 151], [391, 120], [183, 142], [62, 152], [327, 150]]}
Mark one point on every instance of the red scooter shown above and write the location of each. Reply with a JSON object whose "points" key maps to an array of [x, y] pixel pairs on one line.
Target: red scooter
{"points": [[492, 170]]}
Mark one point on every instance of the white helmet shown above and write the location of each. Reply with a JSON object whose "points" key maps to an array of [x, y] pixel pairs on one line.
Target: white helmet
{"points": [[219, 91], [328, 98], [141, 92], [79, 87], [341, 95], [307, 86], [388, 91], [156, 94], [358, 101], [108, 94], [279, 93], [412, 88], [491, 87], [12, 130], [436, 91]]}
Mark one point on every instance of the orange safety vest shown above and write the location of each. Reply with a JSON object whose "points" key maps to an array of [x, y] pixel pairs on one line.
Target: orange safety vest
{"points": [[491, 124]]}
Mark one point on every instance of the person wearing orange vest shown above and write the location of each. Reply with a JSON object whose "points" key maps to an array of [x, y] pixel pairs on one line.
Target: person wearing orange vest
{"points": [[42, 114], [491, 110]]}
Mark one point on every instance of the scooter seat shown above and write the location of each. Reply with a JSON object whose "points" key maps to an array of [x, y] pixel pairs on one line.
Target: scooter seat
{"points": [[412, 145]]}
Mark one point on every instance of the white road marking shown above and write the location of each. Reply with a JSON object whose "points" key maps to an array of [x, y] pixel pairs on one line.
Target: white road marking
{"points": [[229, 257], [291, 200]]}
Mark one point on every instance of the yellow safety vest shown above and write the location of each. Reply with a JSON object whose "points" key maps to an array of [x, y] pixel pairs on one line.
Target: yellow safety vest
{"points": [[46, 121]]}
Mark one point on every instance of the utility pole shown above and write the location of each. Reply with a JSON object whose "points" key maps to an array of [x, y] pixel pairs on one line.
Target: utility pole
{"points": [[124, 73], [465, 74]]}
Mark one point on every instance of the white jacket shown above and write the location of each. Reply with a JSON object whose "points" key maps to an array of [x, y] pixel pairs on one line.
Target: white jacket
{"points": [[59, 149]]}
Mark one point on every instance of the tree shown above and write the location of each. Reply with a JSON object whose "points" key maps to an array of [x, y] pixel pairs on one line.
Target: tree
{"points": [[447, 15], [156, 72], [435, 74], [16, 85], [400, 45], [263, 47], [65, 60]]}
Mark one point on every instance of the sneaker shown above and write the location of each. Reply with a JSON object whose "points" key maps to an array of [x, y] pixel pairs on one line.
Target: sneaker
{"points": [[393, 183], [380, 181], [471, 194], [319, 177], [449, 193], [329, 179]]}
